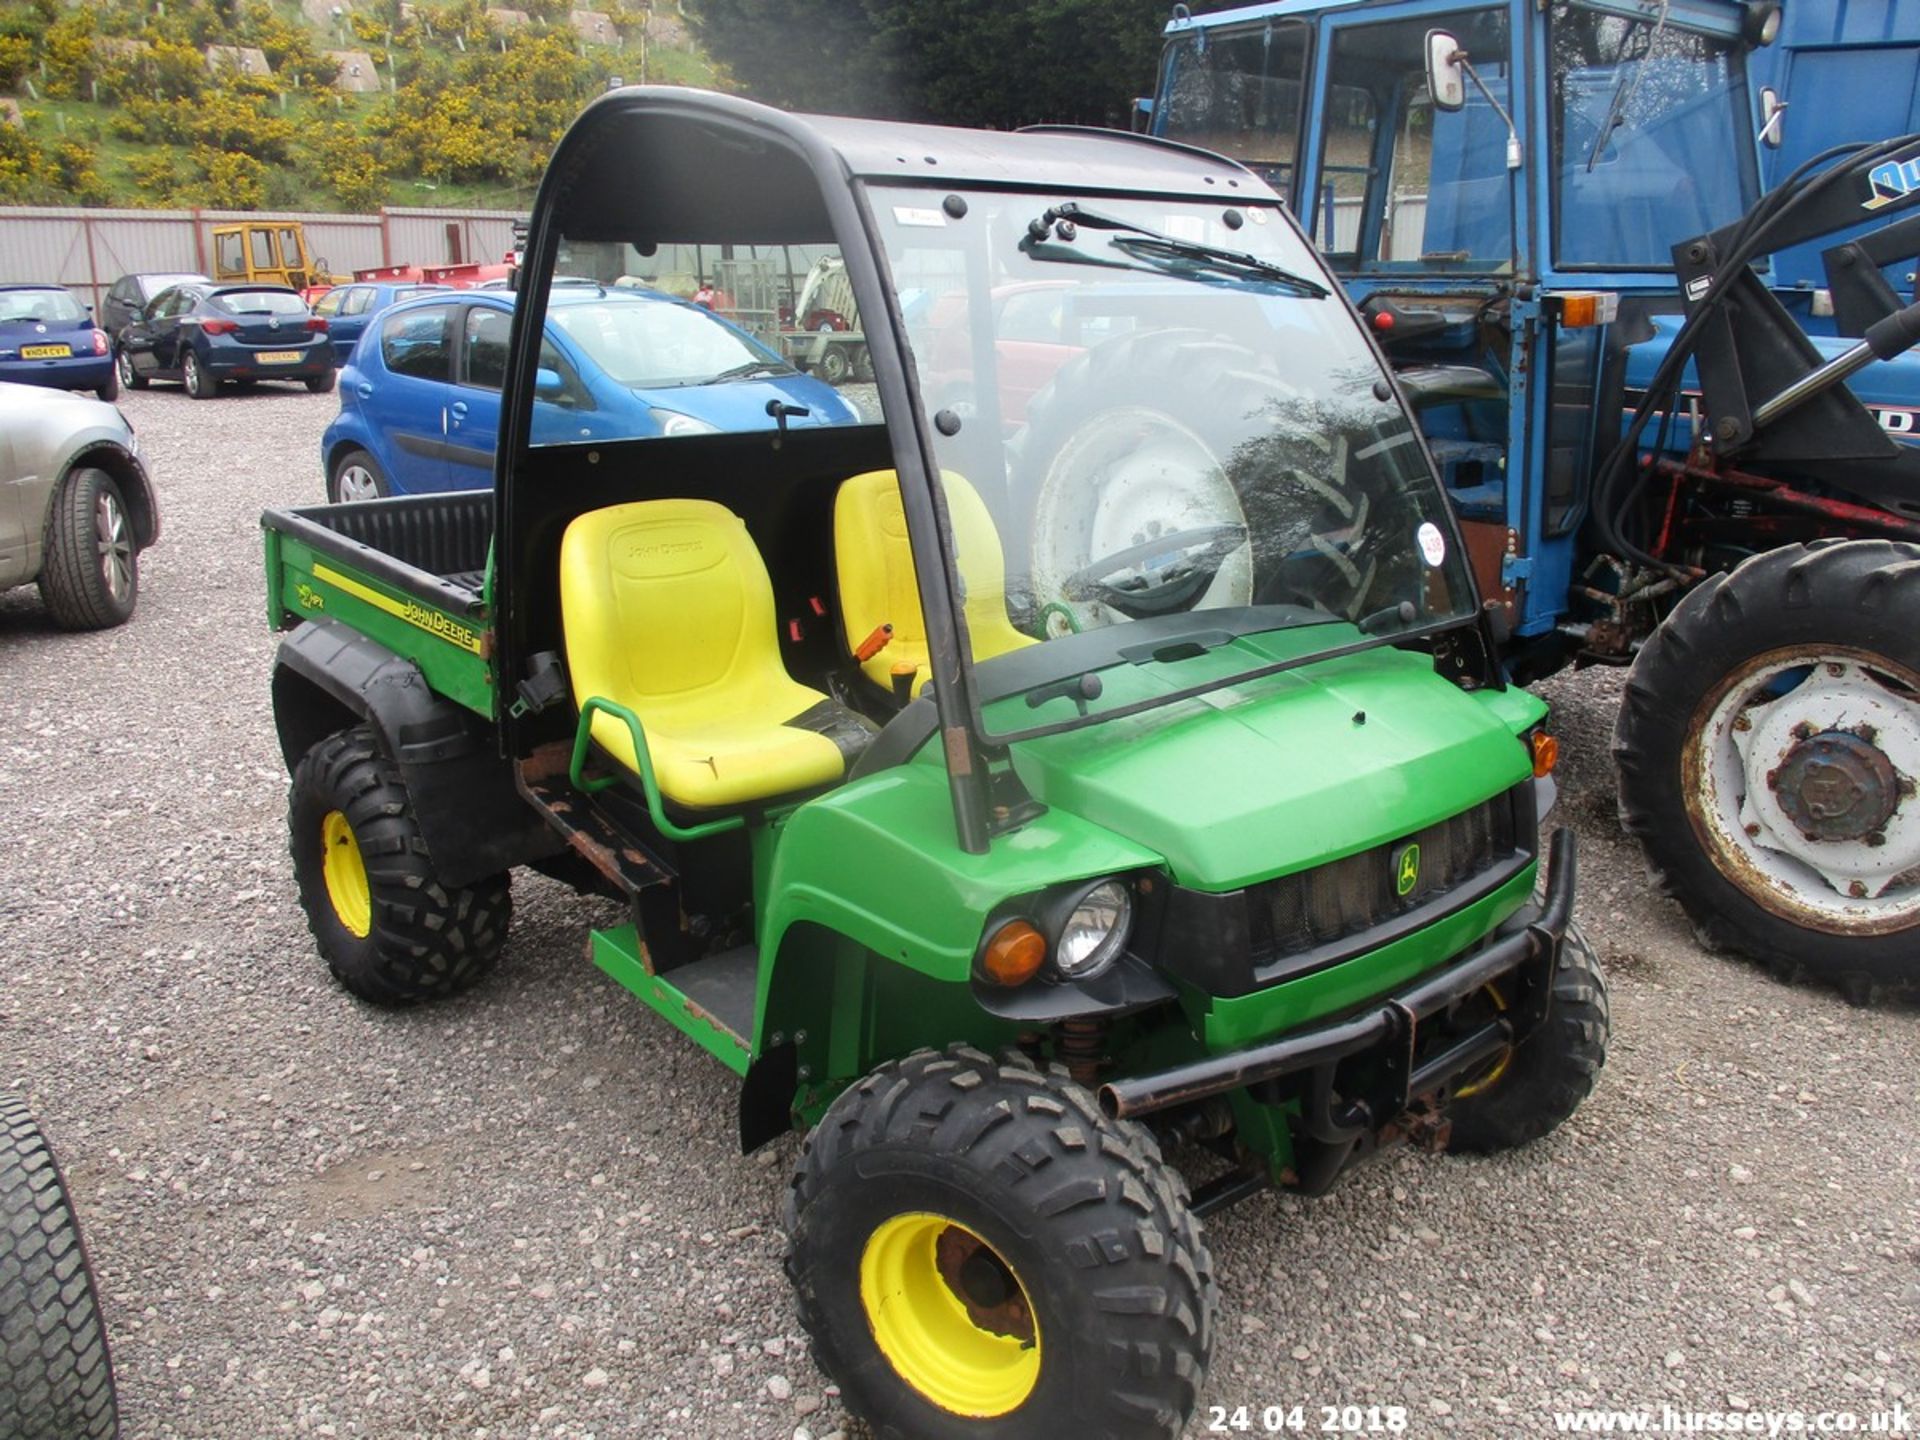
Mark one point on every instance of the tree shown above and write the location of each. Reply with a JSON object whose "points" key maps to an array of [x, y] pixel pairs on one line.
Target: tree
{"points": [[999, 63]]}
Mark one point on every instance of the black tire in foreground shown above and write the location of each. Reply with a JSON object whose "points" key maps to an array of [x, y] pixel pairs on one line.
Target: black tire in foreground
{"points": [[321, 384], [111, 390], [56, 1378], [90, 569], [977, 1250], [1768, 744], [389, 930], [1535, 1086]]}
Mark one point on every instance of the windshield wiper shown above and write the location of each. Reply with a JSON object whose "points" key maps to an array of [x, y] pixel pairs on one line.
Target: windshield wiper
{"points": [[754, 367], [1152, 246], [1623, 91]]}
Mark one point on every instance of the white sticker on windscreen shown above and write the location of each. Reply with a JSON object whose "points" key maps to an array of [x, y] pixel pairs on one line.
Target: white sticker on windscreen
{"points": [[914, 215], [1433, 545]]}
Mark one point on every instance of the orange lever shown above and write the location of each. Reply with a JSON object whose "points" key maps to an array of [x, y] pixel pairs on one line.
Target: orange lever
{"points": [[873, 644]]}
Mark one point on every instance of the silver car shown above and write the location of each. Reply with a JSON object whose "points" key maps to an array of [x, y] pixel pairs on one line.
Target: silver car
{"points": [[76, 505]]}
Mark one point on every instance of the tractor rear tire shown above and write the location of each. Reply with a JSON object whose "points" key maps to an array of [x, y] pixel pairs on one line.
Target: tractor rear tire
{"points": [[1540, 1083], [56, 1377], [1160, 431], [1812, 637], [388, 928], [977, 1251]]}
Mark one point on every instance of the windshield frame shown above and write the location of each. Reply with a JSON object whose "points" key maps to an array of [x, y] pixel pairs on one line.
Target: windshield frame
{"points": [[978, 696]]}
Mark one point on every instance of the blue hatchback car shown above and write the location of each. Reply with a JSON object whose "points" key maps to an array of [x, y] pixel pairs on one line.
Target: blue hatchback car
{"points": [[48, 338], [420, 396], [349, 309]]}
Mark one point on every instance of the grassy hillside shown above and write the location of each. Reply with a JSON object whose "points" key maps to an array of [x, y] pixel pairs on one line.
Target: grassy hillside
{"points": [[120, 105]]}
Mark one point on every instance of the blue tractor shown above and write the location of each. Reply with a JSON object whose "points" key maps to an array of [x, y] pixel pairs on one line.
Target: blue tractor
{"points": [[1555, 217]]}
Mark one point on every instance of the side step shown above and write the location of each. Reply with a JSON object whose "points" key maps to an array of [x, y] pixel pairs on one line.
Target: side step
{"points": [[710, 1000], [614, 855]]}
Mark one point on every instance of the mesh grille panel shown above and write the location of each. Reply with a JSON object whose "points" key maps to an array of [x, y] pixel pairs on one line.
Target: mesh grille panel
{"points": [[1343, 897]]}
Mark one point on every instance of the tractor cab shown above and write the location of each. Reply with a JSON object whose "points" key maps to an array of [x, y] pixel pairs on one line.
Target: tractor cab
{"points": [[1499, 187], [265, 253]]}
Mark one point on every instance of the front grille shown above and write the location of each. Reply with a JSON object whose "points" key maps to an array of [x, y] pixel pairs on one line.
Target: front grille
{"points": [[1318, 907]]}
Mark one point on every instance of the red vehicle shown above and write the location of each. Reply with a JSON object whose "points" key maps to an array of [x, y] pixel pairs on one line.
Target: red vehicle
{"points": [[1036, 337]]}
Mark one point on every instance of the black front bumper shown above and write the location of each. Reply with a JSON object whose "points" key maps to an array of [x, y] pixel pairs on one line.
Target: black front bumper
{"points": [[1524, 952]]}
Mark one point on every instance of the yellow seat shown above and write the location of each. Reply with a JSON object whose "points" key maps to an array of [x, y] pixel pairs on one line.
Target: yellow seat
{"points": [[668, 611], [878, 584]]}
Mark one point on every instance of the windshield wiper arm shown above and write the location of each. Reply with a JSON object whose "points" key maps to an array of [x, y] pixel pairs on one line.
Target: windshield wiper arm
{"points": [[1152, 245], [754, 367], [1623, 92]]}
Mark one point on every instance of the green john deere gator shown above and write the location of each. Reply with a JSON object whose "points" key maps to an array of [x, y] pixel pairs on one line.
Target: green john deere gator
{"points": [[1093, 752]]}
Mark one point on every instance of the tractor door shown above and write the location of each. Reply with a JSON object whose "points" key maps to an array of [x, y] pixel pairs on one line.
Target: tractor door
{"points": [[1416, 208]]}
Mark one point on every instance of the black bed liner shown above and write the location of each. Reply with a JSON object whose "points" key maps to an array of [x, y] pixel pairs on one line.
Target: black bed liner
{"points": [[432, 546]]}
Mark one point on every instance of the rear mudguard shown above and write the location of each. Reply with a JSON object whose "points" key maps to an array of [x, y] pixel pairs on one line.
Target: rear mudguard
{"points": [[327, 677]]}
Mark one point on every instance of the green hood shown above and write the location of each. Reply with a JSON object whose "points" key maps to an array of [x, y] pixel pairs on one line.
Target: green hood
{"points": [[1264, 778]]}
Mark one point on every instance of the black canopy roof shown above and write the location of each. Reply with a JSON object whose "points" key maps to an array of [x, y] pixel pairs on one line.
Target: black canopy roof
{"points": [[667, 164]]}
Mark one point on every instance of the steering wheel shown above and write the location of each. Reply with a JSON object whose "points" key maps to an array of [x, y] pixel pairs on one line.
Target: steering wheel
{"points": [[1202, 551]]}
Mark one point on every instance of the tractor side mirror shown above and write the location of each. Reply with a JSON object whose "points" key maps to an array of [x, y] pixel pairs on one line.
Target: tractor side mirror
{"points": [[1142, 115], [1446, 71], [1773, 113]]}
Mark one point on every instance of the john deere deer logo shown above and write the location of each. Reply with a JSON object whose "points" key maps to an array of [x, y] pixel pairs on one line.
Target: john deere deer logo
{"points": [[1406, 870]]}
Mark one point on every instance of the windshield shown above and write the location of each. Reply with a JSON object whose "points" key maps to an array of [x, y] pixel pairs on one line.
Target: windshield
{"points": [[1152, 409], [1636, 105], [260, 302], [41, 305], [659, 344], [1238, 92]]}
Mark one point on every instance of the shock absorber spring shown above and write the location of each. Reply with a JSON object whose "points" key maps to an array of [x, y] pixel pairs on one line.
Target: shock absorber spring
{"points": [[1081, 1045]]}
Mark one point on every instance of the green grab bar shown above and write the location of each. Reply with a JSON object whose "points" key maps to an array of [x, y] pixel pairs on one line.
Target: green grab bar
{"points": [[656, 807]]}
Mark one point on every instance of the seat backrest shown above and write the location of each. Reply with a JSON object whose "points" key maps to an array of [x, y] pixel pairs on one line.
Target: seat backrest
{"points": [[664, 600], [879, 585]]}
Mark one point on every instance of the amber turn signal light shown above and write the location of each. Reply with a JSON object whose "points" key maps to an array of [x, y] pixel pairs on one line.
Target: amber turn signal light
{"points": [[1546, 753], [1014, 954]]}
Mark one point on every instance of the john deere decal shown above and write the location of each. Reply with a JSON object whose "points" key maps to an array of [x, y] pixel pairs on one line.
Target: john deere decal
{"points": [[1406, 870]]}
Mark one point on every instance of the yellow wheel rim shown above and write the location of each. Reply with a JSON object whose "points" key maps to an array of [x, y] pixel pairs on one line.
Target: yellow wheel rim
{"points": [[1493, 1076], [951, 1316], [346, 874]]}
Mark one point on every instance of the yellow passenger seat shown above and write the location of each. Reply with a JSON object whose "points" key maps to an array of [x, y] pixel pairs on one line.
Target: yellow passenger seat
{"points": [[669, 612], [878, 584]]}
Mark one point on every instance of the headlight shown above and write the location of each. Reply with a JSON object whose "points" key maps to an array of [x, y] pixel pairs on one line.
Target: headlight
{"points": [[1096, 931], [672, 422]]}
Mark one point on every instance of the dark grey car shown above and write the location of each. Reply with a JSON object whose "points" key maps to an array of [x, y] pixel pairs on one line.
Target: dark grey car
{"points": [[131, 294]]}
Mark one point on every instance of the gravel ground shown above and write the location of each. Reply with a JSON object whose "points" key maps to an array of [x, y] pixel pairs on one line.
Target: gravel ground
{"points": [[522, 1213]]}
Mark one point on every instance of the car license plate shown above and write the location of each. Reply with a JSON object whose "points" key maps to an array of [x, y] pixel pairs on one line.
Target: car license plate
{"points": [[45, 352], [279, 357]]}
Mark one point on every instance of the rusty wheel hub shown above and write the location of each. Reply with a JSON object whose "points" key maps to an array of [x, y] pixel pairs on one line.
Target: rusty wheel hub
{"points": [[1837, 785], [983, 1284]]}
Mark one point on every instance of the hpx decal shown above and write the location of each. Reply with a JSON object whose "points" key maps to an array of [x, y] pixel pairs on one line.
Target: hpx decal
{"points": [[1892, 181]]}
